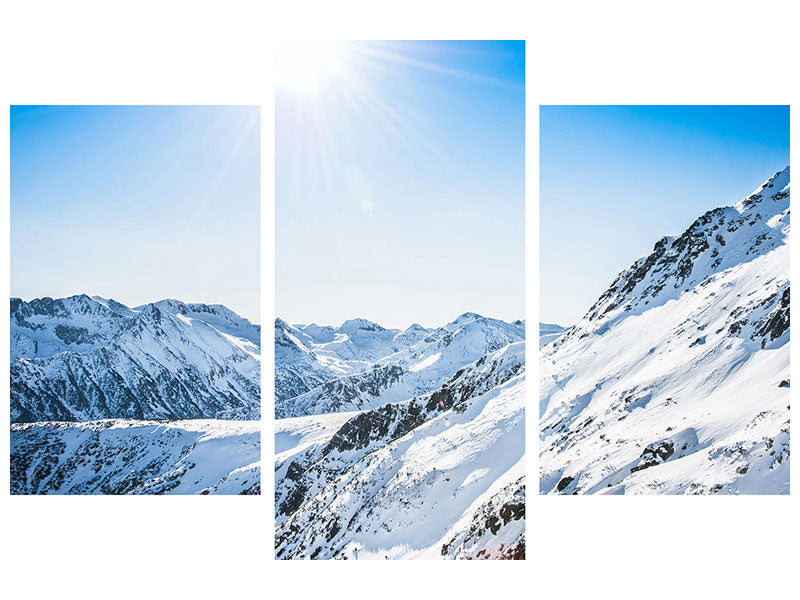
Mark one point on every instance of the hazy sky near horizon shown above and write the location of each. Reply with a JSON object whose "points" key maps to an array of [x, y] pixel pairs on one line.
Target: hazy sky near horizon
{"points": [[614, 180], [400, 182], [136, 203]]}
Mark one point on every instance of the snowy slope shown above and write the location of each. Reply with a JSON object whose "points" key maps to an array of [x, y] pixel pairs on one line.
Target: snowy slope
{"points": [[219, 317], [439, 475], [81, 358], [402, 373], [677, 379], [549, 332], [136, 457]]}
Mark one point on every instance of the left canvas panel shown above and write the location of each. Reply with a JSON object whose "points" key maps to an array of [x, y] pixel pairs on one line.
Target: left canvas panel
{"points": [[135, 344]]}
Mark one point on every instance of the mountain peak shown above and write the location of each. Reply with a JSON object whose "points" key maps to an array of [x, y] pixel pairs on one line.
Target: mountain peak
{"points": [[113, 305], [150, 312], [353, 325], [692, 343], [775, 189], [465, 318], [717, 240]]}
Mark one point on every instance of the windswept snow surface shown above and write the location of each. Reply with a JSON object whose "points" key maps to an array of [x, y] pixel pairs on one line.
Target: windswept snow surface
{"points": [[204, 456], [677, 380], [430, 465], [90, 376]]}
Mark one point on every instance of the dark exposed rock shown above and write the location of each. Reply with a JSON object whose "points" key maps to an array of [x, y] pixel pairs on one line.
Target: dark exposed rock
{"points": [[503, 508], [776, 322], [74, 335], [655, 454], [564, 483]]}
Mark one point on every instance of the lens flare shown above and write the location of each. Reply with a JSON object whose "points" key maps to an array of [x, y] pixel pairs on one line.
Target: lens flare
{"points": [[305, 65]]}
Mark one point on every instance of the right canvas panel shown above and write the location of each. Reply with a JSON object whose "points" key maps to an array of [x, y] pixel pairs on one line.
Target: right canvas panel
{"points": [[664, 320]]}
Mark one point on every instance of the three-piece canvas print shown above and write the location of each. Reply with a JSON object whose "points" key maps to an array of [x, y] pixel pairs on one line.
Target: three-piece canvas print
{"points": [[399, 405]]}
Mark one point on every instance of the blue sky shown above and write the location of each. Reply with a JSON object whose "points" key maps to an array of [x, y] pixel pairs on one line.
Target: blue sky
{"points": [[400, 182], [616, 179], [136, 203]]}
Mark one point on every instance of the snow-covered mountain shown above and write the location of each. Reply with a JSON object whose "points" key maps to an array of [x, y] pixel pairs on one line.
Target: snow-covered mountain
{"points": [[677, 379], [306, 356], [301, 364], [402, 372], [82, 358], [136, 457], [89, 376], [418, 455], [437, 475], [218, 316], [44, 327]]}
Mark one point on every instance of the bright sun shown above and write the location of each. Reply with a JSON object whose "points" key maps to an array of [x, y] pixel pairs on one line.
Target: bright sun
{"points": [[304, 65]]}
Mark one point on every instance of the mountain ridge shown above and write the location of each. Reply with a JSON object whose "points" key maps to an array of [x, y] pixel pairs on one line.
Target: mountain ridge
{"points": [[81, 358], [636, 396], [340, 380]]}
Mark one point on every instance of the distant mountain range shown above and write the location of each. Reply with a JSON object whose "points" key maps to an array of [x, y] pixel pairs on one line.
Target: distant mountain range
{"points": [[676, 381], [82, 358], [363, 365], [111, 399], [395, 444]]}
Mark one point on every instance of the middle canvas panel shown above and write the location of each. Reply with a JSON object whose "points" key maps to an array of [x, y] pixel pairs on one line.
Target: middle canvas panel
{"points": [[400, 332]]}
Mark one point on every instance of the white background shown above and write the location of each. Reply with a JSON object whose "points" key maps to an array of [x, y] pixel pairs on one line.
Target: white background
{"points": [[221, 53]]}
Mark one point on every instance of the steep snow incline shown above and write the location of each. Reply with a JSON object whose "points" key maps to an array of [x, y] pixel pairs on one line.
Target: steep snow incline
{"points": [[154, 364], [718, 240], [408, 372], [220, 317], [438, 476], [136, 457], [115, 306], [294, 436], [677, 379], [494, 530]]}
